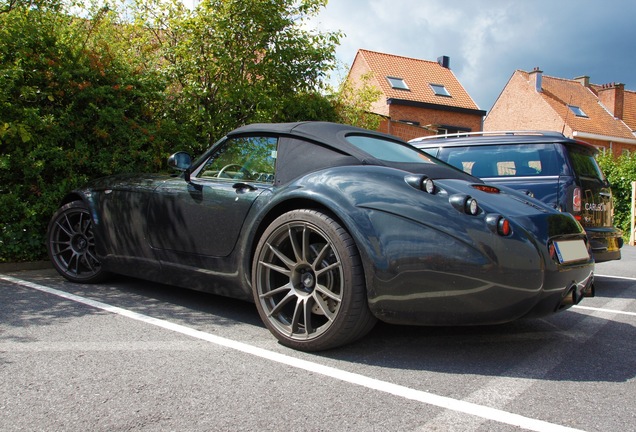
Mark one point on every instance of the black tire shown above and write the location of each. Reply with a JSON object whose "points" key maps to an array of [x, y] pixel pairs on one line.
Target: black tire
{"points": [[71, 244], [308, 282]]}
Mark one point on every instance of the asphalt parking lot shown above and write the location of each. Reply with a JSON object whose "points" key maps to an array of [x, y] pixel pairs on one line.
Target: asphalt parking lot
{"points": [[132, 355]]}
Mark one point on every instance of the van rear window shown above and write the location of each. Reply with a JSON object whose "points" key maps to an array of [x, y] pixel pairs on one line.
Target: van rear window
{"points": [[505, 160], [585, 165]]}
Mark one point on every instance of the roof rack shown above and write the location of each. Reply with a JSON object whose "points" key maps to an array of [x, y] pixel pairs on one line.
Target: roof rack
{"points": [[492, 133]]}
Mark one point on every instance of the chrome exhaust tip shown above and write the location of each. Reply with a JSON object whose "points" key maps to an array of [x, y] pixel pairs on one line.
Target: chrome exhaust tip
{"points": [[569, 299], [573, 295]]}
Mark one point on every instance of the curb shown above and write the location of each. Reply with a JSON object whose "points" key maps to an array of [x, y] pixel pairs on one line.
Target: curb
{"points": [[22, 266]]}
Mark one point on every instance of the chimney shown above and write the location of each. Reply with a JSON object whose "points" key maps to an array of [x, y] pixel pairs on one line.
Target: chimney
{"points": [[584, 80], [444, 61], [536, 76], [612, 96]]}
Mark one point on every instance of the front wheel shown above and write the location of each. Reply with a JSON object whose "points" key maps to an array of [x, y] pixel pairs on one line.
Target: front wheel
{"points": [[71, 244], [308, 282]]}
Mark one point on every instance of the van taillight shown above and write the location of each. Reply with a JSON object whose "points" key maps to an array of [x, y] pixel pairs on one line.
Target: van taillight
{"points": [[576, 200]]}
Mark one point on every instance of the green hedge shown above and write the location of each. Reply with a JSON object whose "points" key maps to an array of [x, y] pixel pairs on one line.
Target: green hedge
{"points": [[620, 172], [119, 90], [69, 112]]}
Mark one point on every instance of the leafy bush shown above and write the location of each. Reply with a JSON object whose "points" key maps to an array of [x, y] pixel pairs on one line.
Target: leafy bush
{"points": [[71, 109], [620, 172], [127, 83], [242, 61]]}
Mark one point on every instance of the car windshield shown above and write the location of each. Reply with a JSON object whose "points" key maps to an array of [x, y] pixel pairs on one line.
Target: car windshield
{"points": [[387, 150]]}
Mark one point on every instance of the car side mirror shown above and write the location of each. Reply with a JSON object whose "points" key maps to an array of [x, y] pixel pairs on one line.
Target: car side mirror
{"points": [[181, 161]]}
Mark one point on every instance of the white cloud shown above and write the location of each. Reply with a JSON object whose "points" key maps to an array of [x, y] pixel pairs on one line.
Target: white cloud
{"points": [[487, 40]]}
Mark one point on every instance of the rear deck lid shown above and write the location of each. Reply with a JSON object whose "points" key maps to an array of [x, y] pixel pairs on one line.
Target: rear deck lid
{"points": [[592, 202]]}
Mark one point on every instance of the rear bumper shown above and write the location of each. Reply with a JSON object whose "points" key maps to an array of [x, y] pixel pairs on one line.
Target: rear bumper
{"points": [[433, 279], [564, 289], [606, 243]]}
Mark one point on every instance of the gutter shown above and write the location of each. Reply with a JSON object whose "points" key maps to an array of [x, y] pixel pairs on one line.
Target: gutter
{"points": [[584, 135], [406, 102]]}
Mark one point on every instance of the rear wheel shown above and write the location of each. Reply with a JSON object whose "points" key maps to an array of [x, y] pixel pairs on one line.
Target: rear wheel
{"points": [[308, 282], [71, 244]]}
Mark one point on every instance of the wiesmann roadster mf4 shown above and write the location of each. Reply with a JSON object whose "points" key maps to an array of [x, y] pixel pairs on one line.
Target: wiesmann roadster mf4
{"points": [[327, 228]]}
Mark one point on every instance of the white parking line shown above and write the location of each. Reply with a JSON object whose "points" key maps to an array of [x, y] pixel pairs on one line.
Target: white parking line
{"points": [[610, 311], [615, 277], [481, 411]]}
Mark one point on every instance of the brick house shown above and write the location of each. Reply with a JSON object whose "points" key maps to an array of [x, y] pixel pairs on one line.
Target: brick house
{"points": [[603, 115], [419, 97]]}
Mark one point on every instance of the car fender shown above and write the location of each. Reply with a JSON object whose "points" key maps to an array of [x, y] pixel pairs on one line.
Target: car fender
{"points": [[378, 209]]}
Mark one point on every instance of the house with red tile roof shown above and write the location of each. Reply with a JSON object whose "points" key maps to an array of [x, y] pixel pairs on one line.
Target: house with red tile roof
{"points": [[418, 97], [602, 115]]}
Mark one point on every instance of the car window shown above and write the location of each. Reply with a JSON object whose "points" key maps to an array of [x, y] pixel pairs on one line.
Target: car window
{"points": [[431, 150], [387, 150], [504, 160], [243, 158], [585, 165]]}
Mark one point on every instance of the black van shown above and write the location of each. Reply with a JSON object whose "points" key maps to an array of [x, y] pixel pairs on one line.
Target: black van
{"points": [[559, 171]]}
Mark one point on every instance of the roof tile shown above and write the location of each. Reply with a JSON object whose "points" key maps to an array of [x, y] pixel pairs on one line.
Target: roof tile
{"points": [[629, 110], [418, 75], [560, 92]]}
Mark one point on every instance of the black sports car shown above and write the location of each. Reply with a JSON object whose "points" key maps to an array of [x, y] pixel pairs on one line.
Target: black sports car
{"points": [[327, 228]]}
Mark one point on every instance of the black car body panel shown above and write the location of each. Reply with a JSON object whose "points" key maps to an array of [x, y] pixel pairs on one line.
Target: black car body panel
{"points": [[557, 170], [426, 259]]}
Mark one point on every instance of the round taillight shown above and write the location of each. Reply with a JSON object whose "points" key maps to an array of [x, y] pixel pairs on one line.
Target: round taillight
{"points": [[471, 207], [428, 185], [503, 227], [499, 224], [465, 204]]}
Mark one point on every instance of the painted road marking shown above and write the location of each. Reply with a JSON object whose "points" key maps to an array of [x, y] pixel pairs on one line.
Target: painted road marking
{"points": [[477, 410], [615, 277], [610, 311]]}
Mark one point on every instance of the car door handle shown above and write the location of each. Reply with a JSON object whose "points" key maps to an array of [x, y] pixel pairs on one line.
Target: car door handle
{"points": [[242, 187]]}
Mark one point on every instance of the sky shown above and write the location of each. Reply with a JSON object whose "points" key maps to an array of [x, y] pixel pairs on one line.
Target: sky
{"points": [[487, 40]]}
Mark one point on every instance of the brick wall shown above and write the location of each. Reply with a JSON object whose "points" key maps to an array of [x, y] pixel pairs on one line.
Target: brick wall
{"points": [[616, 148], [612, 96], [358, 69], [403, 130], [520, 107], [429, 116], [400, 113]]}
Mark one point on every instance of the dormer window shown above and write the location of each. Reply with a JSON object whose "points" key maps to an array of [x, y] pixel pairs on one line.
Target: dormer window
{"points": [[440, 90], [577, 111], [397, 83]]}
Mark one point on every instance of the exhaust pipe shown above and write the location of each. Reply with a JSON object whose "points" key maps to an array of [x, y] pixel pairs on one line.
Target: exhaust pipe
{"points": [[569, 299], [574, 296]]}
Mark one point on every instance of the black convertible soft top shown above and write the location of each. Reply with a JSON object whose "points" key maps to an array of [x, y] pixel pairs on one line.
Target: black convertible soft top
{"points": [[331, 134], [333, 149]]}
